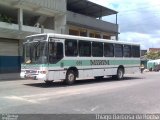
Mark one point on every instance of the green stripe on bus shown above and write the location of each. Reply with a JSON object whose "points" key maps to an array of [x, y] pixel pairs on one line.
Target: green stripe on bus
{"points": [[124, 62], [65, 63]]}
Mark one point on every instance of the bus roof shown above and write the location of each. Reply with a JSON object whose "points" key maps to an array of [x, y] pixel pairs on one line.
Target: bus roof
{"points": [[63, 36]]}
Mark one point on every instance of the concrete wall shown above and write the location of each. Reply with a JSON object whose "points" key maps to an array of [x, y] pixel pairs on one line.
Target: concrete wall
{"points": [[59, 5], [56, 5], [60, 24], [9, 56]]}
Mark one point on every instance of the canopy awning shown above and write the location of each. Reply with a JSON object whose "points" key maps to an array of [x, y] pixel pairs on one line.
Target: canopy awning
{"points": [[88, 8]]}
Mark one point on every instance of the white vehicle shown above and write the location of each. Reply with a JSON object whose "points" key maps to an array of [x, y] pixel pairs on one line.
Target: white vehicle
{"points": [[153, 65], [52, 57]]}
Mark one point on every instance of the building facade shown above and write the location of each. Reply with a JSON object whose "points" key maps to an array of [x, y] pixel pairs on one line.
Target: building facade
{"points": [[19, 18], [154, 49]]}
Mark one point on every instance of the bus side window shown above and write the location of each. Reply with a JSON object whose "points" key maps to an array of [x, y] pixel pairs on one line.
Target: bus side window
{"points": [[118, 50], [135, 51], [108, 50], [55, 52], [127, 51], [71, 47], [97, 49], [59, 51], [84, 48]]}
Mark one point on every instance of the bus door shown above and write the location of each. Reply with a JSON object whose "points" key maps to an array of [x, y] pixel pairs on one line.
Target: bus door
{"points": [[55, 56]]}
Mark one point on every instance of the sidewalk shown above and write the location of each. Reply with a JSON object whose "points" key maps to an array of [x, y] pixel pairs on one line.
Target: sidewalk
{"points": [[10, 76]]}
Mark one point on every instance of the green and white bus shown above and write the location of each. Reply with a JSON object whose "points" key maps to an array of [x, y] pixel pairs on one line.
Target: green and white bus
{"points": [[52, 57]]}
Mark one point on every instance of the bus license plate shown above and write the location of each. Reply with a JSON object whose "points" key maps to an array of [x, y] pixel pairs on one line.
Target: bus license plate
{"points": [[30, 77]]}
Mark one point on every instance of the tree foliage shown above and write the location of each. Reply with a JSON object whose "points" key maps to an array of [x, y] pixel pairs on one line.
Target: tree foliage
{"points": [[153, 55]]}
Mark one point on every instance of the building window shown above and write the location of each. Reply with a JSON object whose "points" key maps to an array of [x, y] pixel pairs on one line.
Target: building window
{"points": [[97, 35], [91, 35], [83, 33], [106, 37], [73, 32]]}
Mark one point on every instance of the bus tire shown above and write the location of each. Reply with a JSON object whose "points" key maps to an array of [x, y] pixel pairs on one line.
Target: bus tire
{"points": [[99, 77], [70, 77], [49, 82], [120, 74]]}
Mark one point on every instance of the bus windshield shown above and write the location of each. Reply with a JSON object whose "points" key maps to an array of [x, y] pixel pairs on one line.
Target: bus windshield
{"points": [[35, 52]]}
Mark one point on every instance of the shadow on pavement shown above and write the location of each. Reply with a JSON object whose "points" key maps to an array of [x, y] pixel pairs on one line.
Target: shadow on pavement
{"points": [[11, 79], [80, 82]]}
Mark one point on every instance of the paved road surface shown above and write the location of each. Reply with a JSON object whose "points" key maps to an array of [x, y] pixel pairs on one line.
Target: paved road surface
{"points": [[135, 94]]}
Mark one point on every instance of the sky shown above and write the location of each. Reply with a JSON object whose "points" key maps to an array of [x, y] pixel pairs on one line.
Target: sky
{"points": [[139, 20]]}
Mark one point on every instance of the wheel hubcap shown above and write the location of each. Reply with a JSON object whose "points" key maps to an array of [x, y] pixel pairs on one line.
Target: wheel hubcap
{"points": [[70, 77], [120, 74]]}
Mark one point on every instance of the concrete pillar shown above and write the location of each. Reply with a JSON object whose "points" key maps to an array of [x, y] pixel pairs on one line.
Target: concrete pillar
{"points": [[42, 29], [60, 24], [116, 36], [20, 23], [116, 18], [88, 33], [101, 34], [66, 30], [20, 47], [20, 18]]}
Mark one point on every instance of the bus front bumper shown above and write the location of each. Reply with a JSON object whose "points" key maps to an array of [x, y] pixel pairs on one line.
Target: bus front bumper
{"points": [[33, 76]]}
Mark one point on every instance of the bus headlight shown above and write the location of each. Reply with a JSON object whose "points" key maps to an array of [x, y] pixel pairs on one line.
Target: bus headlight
{"points": [[43, 72]]}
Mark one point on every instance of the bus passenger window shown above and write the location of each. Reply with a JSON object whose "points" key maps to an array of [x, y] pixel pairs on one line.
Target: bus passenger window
{"points": [[135, 51], [71, 47], [97, 49], [84, 48], [118, 50], [127, 51], [55, 52], [59, 51], [108, 50]]}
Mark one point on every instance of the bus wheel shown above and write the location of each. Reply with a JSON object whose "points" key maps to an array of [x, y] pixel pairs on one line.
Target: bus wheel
{"points": [[70, 77], [120, 73], [49, 82], [119, 76], [99, 77]]}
